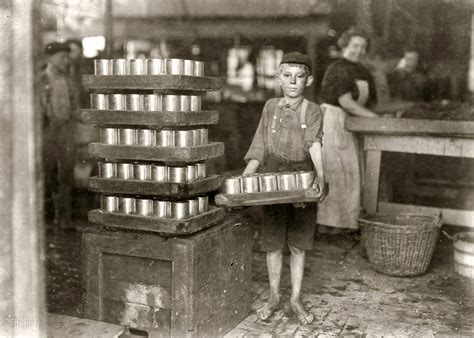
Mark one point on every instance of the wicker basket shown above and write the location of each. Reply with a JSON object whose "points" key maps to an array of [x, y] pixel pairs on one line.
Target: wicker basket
{"points": [[400, 245]]}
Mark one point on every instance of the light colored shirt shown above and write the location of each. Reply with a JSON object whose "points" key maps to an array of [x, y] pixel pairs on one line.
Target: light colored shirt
{"points": [[289, 140]]}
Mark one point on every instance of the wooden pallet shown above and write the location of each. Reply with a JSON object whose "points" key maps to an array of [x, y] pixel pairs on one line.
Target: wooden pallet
{"points": [[163, 226], [162, 154], [154, 120], [152, 82], [137, 187], [191, 286], [267, 198]]}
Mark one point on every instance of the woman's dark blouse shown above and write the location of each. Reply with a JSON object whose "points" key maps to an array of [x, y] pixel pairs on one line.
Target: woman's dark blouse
{"points": [[340, 79]]}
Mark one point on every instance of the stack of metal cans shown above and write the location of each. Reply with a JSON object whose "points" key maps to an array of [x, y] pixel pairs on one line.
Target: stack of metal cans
{"points": [[145, 102], [148, 67], [155, 208], [268, 182], [152, 137], [155, 172]]}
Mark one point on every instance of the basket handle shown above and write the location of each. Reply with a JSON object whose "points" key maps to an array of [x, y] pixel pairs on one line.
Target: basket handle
{"points": [[447, 235]]}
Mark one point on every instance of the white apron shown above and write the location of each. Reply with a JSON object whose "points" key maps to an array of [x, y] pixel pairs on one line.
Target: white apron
{"points": [[341, 207]]}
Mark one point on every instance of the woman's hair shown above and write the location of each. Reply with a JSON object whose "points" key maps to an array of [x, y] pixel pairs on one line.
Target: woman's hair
{"points": [[346, 37]]}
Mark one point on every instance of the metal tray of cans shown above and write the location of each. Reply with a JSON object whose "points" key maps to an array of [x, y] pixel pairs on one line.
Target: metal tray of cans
{"points": [[163, 226], [152, 82], [267, 198], [268, 188], [156, 119], [139, 187], [154, 153]]}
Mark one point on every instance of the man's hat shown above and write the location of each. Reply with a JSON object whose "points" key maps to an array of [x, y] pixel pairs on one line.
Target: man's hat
{"points": [[296, 57], [55, 47]]}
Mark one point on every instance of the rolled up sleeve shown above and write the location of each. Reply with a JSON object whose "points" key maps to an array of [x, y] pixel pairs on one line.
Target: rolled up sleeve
{"points": [[314, 127]]}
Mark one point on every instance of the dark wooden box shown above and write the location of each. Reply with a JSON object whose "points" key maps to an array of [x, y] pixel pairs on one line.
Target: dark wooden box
{"points": [[197, 285]]}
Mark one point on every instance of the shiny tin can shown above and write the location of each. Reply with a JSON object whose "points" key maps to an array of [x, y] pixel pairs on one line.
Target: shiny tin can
{"points": [[159, 173], [191, 173], [136, 66], [102, 67], [268, 182], [201, 170], [142, 172], [174, 66], [249, 183], [119, 67], [196, 137], [107, 169], [155, 67], [195, 103], [188, 67], [127, 205], [204, 136], [146, 137], [109, 135], [116, 101], [183, 138], [166, 138], [99, 101], [287, 181], [185, 103], [198, 68], [109, 203], [152, 102], [171, 102], [128, 136], [180, 210], [203, 204], [144, 207], [232, 185], [125, 171], [178, 174], [162, 209], [304, 179], [134, 102], [193, 207]]}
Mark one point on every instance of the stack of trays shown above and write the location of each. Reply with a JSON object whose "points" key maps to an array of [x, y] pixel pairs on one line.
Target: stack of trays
{"points": [[268, 188], [153, 144]]}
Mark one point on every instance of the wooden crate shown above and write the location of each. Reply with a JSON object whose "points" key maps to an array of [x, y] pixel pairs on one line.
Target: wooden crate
{"points": [[163, 226], [153, 120], [197, 285], [162, 154], [137, 187], [161, 83]]}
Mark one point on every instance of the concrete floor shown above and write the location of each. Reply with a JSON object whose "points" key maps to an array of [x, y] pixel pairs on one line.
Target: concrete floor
{"points": [[346, 295]]}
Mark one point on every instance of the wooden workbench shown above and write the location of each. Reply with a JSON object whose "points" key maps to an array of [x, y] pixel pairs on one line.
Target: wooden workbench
{"points": [[429, 137]]}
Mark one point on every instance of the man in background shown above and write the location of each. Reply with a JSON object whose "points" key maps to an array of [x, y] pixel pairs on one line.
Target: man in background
{"points": [[59, 100]]}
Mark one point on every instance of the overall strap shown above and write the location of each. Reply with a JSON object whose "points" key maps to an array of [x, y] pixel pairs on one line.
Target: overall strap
{"points": [[274, 118], [304, 107]]}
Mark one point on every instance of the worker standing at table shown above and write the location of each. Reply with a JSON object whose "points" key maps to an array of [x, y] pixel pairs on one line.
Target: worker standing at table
{"points": [[288, 138], [347, 89]]}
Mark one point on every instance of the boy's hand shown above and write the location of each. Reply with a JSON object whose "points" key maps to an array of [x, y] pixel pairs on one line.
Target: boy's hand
{"points": [[319, 186]]}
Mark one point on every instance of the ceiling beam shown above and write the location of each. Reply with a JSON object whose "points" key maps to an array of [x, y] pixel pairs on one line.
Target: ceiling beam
{"points": [[132, 28]]}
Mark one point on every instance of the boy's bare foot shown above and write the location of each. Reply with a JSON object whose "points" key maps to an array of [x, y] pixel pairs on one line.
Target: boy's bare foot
{"points": [[303, 316], [266, 311]]}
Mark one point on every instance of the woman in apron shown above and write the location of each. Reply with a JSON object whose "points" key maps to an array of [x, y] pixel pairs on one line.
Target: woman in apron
{"points": [[347, 89]]}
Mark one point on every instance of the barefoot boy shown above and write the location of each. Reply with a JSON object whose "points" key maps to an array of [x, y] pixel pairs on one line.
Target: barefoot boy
{"points": [[288, 138]]}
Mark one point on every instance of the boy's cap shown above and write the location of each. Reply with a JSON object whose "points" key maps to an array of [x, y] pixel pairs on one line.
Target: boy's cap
{"points": [[55, 47], [296, 57]]}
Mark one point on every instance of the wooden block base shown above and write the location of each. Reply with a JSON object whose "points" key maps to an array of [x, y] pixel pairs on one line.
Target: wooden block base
{"points": [[197, 285]]}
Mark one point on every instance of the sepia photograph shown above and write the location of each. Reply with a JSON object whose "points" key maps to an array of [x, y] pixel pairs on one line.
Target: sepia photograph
{"points": [[237, 168]]}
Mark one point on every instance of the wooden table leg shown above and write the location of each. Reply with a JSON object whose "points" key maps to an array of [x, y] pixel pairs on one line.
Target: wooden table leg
{"points": [[372, 178]]}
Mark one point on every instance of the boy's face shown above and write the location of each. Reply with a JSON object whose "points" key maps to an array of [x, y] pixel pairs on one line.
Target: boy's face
{"points": [[293, 80]]}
